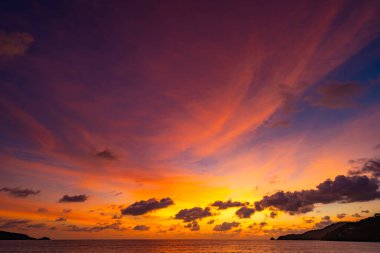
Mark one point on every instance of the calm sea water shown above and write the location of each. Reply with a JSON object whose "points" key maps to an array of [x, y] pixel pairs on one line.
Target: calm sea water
{"points": [[202, 246]]}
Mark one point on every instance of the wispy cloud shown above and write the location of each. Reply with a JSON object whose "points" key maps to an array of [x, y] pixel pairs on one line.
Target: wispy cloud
{"points": [[13, 44], [19, 192]]}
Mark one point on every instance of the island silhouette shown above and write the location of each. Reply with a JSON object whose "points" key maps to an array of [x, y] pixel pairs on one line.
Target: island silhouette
{"points": [[365, 230], [16, 236]]}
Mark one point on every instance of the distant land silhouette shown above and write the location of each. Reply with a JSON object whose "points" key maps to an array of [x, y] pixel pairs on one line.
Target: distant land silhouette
{"points": [[16, 236], [365, 230]]}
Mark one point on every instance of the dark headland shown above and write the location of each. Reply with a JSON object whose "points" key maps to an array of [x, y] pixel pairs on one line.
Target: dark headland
{"points": [[16, 236], [366, 230]]}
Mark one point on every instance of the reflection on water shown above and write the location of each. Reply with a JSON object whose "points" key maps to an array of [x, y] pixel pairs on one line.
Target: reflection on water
{"points": [[202, 246]]}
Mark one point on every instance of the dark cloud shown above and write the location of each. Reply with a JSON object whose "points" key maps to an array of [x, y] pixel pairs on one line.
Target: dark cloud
{"points": [[141, 228], [211, 222], [257, 226], [365, 211], [117, 217], [188, 215], [37, 226], [106, 154], [341, 215], [12, 223], [12, 44], [145, 206], [74, 198], [114, 226], [193, 226], [245, 212], [356, 215], [225, 226], [325, 221], [336, 95], [42, 210], [376, 147], [370, 166], [224, 205], [18, 192], [173, 228], [66, 210], [273, 214], [61, 219], [342, 189]]}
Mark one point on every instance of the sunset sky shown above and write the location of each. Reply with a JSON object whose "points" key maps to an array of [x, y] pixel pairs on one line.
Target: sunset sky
{"points": [[188, 118]]}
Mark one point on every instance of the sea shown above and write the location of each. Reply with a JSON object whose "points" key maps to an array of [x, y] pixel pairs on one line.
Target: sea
{"points": [[187, 246]]}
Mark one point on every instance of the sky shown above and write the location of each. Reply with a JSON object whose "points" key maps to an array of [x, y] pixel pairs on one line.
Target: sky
{"points": [[188, 119]]}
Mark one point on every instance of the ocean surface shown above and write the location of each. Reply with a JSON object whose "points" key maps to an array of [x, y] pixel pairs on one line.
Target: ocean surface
{"points": [[203, 246]]}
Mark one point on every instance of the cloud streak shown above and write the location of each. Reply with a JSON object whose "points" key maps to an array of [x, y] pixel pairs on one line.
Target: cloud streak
{"points": [[227, 204], [106, 154], [73, 198], [336, 95], [18, 192]]}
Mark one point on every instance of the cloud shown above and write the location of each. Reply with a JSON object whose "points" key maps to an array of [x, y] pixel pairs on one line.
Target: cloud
{"points": [[12, 44], [356, 215], [12, 223], [37, 226], [273, 214], [188, 215], [257, 226], [370, 166], [42, 210], [211, 222], [61, 219], [344, 189], [106, 154], [18, 192], [114, 226], [225, 226], [245, 212], [141, 228], [280, 123], [325, 221], [74, 198], [66, 210], [336, 95], [341, 215], [145, 206], [224, 205], [308, 220], [193, 226], [365, 211]]}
